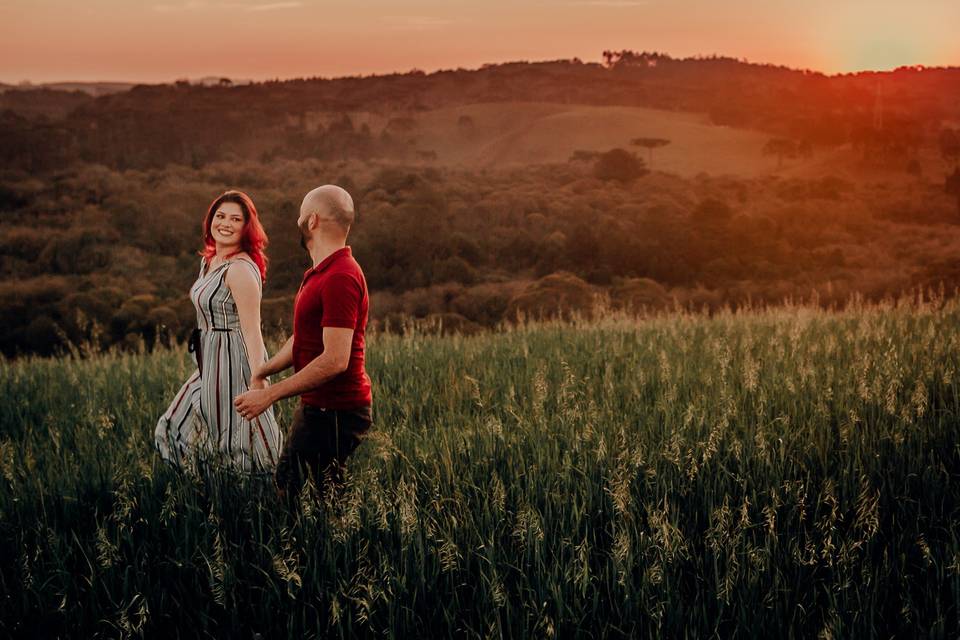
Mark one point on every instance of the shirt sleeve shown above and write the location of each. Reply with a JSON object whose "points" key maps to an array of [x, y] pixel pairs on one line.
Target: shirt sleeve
{"points": [[341, 298]]}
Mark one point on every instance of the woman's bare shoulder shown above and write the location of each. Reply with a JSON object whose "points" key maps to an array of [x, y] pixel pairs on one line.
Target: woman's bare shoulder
{"points": [[243, 269]]}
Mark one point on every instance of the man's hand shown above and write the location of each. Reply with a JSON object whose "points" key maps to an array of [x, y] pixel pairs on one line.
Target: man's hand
{"points": [[252, 403]]}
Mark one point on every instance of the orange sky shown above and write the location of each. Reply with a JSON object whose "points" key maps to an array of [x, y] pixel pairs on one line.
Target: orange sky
{"points": [[162, 40]]}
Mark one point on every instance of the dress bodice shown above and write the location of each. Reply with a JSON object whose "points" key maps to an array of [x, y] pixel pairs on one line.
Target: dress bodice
{"points": [[212, 299]]}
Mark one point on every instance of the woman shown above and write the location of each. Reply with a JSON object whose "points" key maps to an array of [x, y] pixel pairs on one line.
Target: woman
{"points": [[202, 422]]}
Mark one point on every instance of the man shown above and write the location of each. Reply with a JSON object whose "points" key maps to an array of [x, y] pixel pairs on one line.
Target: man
{"points": [[326, 351]]}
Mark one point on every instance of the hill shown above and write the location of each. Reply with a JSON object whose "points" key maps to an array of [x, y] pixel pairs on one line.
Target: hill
{"points": [[505, 134], [153, 125], [488, 194], [90, 88]]}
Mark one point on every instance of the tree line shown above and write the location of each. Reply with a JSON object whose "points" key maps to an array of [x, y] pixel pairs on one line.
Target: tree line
{"points": [[150, 126], [92, 254]]}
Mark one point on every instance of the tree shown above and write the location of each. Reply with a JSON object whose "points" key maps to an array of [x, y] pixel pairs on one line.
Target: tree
{"points": [[466, 125], [453, 269], [78, 251], [581, 155], [619, 165], [950, 145], [914, 168], [780, 147], [650, 144], [43, 336], [952, 186], [626, 57], [712, 211]]}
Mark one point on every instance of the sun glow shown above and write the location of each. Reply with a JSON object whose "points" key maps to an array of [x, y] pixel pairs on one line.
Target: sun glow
{"points": [[881, 54], [883, 37], [160, 41]]}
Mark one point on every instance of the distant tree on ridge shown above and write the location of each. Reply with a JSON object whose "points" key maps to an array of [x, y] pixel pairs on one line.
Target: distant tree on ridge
{"points": [[650, 144], [782, 148], [952, 186]]}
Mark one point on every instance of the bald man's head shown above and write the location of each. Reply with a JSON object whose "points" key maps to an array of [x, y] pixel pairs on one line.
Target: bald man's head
{"points": [[329, 203]]}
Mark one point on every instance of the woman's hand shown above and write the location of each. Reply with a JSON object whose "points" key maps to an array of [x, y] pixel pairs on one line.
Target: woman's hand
{"points": [[258, 382], [252, 403]]}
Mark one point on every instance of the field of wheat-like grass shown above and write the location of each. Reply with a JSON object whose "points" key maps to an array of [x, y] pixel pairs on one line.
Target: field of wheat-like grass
{"points": [[788, 471]]}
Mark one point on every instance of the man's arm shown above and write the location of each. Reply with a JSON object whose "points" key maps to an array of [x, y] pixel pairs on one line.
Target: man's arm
{"points": [[337, 343], [281, 361]]}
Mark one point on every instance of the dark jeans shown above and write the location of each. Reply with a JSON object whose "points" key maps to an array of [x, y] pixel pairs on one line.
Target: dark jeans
{"points": [[318, 444]]}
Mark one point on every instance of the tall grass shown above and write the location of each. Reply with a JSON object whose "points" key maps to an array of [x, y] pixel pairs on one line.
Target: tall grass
{"points": [[790, 471]]}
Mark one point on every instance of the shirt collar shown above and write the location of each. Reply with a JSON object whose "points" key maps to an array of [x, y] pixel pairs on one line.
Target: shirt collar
{"points": [[326, 262]]}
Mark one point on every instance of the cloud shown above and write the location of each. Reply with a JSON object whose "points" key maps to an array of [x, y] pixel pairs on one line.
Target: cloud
{"points": [[609, 3], [416, 23], [199, 5], [191, 5], [273, 6]]}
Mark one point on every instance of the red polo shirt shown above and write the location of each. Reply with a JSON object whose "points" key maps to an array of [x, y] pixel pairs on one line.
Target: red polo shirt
{"points": [[333, 294]]}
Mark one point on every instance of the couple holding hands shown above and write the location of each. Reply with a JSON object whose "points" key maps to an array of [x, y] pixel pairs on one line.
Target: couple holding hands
{"points": [[223, 412]]}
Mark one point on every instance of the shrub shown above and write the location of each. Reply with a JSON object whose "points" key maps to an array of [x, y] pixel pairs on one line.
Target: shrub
{"points": [[485, 304], [448, 323], [77, 251], [454, 269], [619, 165], [639, 294], [557, 295], [712, 211], [43, 336], [25, 243]]}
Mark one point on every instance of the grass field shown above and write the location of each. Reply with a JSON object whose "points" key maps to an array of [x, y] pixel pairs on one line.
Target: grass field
{"points": [[790, 471], [533, 133], [515, 134]]}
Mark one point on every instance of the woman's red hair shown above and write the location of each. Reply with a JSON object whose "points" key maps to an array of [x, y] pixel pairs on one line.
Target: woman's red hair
{"points": [[254, 240]]}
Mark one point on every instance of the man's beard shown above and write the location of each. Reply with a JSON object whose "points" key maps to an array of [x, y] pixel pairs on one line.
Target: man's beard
{"points": [[304, 230]]}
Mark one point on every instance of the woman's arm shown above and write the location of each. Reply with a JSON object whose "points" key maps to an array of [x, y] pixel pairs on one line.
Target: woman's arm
{"points": [[245, 288]]}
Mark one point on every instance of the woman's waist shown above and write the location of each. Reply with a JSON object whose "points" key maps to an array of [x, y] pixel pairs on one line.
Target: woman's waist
{"points": [[209, 331]]}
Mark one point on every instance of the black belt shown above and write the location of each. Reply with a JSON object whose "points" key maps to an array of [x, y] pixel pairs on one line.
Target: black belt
{"points": [[193, 345]]}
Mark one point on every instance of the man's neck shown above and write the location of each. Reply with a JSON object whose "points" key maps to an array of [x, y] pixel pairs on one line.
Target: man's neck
{"points": [[321, 249]]}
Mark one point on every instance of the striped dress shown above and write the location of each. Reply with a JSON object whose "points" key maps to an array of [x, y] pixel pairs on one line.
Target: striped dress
{"points": [[202, 421]]}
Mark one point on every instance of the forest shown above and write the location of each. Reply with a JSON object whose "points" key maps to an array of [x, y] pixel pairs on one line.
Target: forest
{"points": [[101, 198]]}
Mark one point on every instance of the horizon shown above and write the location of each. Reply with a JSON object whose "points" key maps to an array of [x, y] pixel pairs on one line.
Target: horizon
{"points": [[238, 80], [258, 40]]}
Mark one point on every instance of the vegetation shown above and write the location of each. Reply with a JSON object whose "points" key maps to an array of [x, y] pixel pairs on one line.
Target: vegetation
{"points": [[650, 144], [648, 447], [469, 215], [619, 165], [789, 472], [150, 126], [95, 254]]}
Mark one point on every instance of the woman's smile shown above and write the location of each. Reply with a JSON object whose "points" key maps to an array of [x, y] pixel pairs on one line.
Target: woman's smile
{"points": [[227, 224]]}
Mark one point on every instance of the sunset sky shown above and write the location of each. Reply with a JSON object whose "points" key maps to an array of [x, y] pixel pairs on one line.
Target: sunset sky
{"points": [[162, 40]]}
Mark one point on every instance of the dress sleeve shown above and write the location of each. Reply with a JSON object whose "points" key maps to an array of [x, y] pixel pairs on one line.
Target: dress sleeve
{"points": [[341, 298]]}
